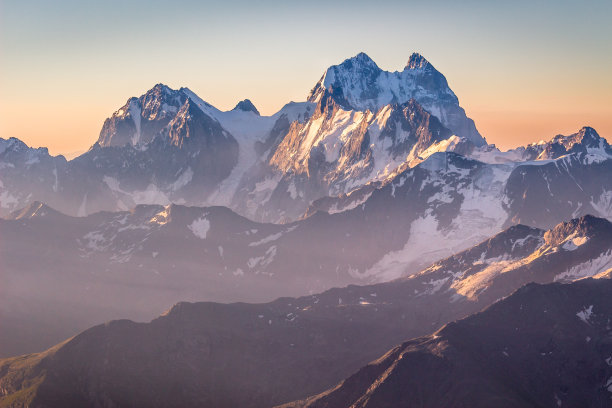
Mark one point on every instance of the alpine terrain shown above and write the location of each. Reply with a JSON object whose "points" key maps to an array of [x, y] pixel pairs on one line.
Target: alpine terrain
{"points": [[259, 355], [283, 255]]}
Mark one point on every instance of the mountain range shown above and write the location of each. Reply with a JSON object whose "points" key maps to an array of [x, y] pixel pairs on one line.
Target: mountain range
{"points": [[359, 125], [370, 184], [137, 263], [289, 251], [259, 355]]}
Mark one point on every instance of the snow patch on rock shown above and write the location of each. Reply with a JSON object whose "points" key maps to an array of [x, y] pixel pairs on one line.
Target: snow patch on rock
{"points": [[200, 227], [587, 269], [183, 180], [585, 314], [572, 243], [603, 204]]}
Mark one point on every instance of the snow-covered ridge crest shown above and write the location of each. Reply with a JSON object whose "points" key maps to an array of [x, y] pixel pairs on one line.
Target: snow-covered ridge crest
{"points": [[141, 119], [527, 253]]}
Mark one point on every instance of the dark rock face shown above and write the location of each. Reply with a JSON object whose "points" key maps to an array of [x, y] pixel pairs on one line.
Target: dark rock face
{"points": [[417, 61], [541, 194], [141, 119], [247, 106], [366, 237], [573, 250], [545, 346], [179, 153], [175, 138], [29, 174], [390, 197]]}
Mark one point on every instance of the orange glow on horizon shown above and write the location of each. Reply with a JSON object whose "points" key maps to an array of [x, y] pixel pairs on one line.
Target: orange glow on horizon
{"points": [[508, 130], [76, 131]]}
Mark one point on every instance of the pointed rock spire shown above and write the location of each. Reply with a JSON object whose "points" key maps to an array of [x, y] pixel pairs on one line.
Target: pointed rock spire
{"points": [[417, 61]]}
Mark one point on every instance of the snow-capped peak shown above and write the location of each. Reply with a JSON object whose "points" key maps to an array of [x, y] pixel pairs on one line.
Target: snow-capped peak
{"points": [[360, 68], [586, 141], [140, 119], [586, 136], [417, 61], [358, 61], [585, 227], [359, 84], [359, 64]]}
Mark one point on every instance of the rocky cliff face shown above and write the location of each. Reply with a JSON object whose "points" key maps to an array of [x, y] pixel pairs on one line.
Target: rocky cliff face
{"points": [[338, 150], [359, 84], [141, 119]]}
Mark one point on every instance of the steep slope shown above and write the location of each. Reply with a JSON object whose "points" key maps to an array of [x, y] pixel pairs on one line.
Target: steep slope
{"points": [[146, 251], [385, 230], [165, 146], [143, 118], [586, 142], [447, 195], [258, 355], [359, 84], [575, 183], [360, 129], [28, 174], [247, 106], [269, 168], [544, 346], [336, 151], [572, 250], [177, 153], [374, 234]]}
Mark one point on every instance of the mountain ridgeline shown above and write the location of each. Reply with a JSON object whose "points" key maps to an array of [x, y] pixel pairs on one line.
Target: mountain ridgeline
{"points": [[259, 355], [359, 84], [171, 146], [371, 219], [359, 129], [544, 346], [374, 177]]}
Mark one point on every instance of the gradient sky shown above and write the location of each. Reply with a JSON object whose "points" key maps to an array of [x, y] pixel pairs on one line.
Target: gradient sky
{"points": [[523, 70]]}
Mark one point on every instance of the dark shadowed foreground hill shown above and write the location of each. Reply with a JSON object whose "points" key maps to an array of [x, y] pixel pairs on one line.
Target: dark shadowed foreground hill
{"points": [[544, 346]]}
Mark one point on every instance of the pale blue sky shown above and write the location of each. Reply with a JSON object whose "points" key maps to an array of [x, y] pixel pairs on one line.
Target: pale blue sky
{"points": [[524, 70]]}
